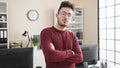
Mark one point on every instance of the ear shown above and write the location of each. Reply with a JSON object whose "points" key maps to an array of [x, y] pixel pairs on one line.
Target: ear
{"points": [[56, 14]]}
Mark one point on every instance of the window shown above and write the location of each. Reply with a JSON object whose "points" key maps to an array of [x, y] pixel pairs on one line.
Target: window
{"points": [[109, 31]]}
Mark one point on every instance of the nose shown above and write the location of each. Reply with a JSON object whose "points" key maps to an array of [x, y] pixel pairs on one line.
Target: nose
{"points": [[66, 16]]}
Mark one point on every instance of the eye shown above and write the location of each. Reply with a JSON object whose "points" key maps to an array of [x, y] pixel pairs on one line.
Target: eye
{"points": [[69, 14], [63, 14]]}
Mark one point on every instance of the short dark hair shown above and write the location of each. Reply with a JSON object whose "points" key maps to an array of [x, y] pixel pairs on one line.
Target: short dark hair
{"points": [[66, 4]]}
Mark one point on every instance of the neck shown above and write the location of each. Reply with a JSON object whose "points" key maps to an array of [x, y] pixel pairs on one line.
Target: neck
{"points": [[60, 27]]}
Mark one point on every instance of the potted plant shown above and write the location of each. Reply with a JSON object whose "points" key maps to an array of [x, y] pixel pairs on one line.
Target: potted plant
{"points": [[34, 41]]}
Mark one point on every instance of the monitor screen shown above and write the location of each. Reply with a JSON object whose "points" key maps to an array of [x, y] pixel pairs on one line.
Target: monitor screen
{"points": [[16, 58], [3, 46], [90, 53]]}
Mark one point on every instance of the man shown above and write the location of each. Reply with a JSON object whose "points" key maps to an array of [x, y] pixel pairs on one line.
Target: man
{"points": [[60, 46]]}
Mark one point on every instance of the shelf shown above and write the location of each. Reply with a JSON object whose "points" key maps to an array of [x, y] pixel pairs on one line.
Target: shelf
{"points": [[3, 13], [3, 23], [3, 20], [3, 43], [3, 6], [3, 28]]}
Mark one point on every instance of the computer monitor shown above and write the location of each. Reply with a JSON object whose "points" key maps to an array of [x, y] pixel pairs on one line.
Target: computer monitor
{"points": [[16, 58], [3, 46], [90, 53]]}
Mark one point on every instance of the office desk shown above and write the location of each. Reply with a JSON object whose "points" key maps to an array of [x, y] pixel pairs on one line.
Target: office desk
{"points": [[38, 58]]}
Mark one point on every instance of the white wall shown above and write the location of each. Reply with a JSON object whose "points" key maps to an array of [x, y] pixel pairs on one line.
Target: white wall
{"points": [[90, 20], [18, 22]]}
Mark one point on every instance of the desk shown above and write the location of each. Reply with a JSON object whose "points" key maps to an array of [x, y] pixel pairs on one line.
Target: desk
{"points": [[95, 66], [98, 65], [38, 58]]}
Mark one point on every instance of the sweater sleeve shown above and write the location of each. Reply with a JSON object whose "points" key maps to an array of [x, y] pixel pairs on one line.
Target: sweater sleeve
{"points": [[78, 57], [50, 54]]}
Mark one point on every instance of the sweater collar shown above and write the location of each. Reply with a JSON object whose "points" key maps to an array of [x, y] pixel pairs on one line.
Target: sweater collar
{"points": [[58, 29]]}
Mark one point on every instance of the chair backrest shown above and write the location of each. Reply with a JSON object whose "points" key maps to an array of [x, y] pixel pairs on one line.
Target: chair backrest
{"points": [[82, 65]]}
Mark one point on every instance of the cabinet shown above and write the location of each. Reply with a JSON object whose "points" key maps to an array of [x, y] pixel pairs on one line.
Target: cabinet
{"points": [[3, 24], [76, 24]]}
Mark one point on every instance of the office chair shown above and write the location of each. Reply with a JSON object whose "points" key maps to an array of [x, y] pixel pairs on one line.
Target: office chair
{"points": [[82, 65]]}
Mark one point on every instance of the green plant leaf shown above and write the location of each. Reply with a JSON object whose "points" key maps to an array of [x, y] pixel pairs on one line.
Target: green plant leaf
{"points": [[34, 41]]}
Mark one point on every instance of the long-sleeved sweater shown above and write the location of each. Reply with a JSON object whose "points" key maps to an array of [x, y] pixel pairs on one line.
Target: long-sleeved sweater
{"points": [[64, 42]]}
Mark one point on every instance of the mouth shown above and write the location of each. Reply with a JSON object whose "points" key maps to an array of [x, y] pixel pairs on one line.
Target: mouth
{"points": [[65, 21]]}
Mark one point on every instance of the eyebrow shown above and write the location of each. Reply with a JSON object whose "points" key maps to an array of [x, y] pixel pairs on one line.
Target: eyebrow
{"points": [[66, 12]]}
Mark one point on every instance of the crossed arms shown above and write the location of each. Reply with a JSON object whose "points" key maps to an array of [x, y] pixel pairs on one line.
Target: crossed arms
{"points": [[53, 55]]}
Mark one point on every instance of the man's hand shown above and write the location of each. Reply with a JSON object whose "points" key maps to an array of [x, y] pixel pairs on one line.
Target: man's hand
{"points": [[52, 46], [73, 52]]}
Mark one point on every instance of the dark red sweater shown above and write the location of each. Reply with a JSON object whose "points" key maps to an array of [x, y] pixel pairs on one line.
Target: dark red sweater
{"points": [[64, 42]]}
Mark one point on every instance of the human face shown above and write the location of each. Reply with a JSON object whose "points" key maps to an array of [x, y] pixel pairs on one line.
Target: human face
{"points": [[64, 16]]}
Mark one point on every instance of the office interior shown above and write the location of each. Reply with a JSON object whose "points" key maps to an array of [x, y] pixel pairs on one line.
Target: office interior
{"points": [[18, 22]]}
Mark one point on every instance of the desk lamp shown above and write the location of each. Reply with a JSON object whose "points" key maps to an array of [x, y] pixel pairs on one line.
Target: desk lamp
{"points": [[26, 34]]}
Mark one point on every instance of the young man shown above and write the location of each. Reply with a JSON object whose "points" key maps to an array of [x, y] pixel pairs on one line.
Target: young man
{"points": [[60, 46]]}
